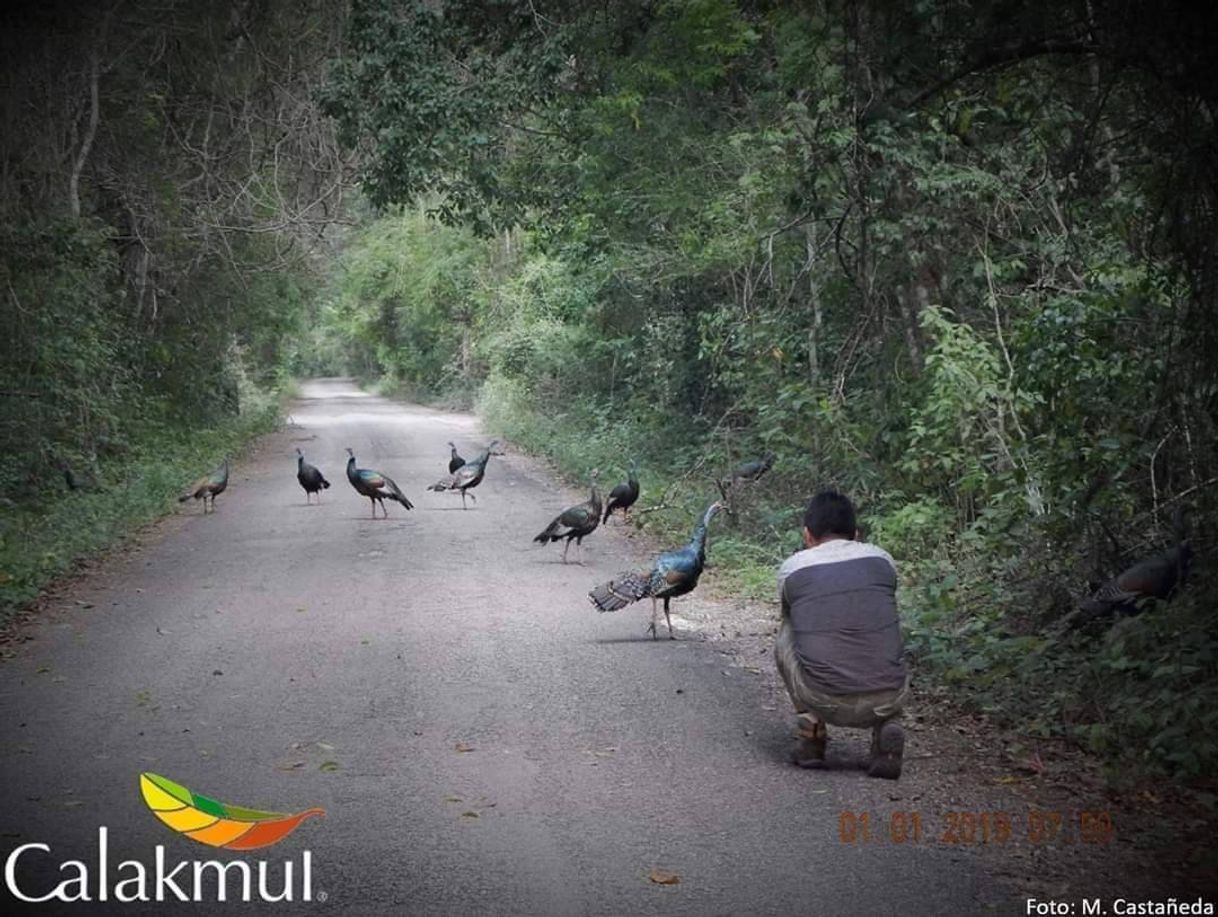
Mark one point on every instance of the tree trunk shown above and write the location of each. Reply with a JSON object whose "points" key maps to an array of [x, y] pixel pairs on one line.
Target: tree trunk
{"points": [[817, 314], [86, 144]]}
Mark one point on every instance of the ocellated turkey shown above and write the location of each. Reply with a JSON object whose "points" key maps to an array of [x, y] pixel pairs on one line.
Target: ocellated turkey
{"points": [[310, 477], [467, 476], [455, 461], [209, 487], [574, 522], [375, 485], [673, 574], [624, 495]]}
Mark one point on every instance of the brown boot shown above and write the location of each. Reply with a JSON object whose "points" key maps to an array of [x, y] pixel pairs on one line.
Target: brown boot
{"points": [[887, 749], [810, 746]]}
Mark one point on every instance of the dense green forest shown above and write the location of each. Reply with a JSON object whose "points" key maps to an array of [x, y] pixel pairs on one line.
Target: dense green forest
{"points": [[956, 259], [167, 189]]}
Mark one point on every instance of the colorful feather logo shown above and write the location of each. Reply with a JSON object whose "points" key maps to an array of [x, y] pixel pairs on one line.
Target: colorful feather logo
{"points": [[216, 824]]}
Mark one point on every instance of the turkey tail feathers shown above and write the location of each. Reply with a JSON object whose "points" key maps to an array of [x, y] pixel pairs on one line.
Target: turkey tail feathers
{"points": [[550, 533], [395, 493], [197, 489], [620, 592]]}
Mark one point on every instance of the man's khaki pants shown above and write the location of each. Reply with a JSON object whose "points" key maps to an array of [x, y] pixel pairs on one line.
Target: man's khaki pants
{"points": [[870, 708]]}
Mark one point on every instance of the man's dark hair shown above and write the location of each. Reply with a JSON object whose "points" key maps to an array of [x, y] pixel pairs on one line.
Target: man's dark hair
{"points": [[830, 513]]}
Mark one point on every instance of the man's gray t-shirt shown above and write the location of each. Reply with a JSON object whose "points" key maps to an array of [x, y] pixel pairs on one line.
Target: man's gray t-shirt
{"points": [[841, 600]]}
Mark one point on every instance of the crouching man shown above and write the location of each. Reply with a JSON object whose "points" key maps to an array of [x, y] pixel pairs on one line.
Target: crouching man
{"points": [[839, 648]]}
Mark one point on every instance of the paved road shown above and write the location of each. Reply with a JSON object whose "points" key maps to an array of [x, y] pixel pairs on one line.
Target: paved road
{"points": [[281, 656]]}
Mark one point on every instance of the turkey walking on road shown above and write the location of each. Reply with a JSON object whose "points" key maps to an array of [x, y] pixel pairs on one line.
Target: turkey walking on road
{"points": [[624, 495], [674, 574], [455, 461], [467, 476], [310, 477], [576, 522], [211, 486], [375, 485]]}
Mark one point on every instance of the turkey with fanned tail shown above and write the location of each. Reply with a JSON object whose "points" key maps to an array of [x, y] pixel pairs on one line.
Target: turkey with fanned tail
{"points": [[674, 574]]}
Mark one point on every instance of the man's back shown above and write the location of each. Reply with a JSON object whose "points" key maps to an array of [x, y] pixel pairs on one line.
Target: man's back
{"points": [[841, 598]]}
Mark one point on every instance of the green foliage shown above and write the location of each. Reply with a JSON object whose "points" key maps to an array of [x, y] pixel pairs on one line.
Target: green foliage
{"points": [[908, 249], [44, 538], [167, 177], [401, 304], [61, 362]]}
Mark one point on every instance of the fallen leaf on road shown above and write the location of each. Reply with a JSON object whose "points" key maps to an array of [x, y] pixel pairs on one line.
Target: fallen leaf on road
{"points": [[453, 799], [661, 877], [1009, 778], [289, 765], [462, 747], [328, 766], [470, 814], [325, 747]]}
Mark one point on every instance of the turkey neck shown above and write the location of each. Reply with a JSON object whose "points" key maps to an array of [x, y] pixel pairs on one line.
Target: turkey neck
{"points": [[351, 475], [698, 540]]}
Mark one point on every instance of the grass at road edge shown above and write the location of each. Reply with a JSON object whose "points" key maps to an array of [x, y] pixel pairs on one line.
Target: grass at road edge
{"points": [[47, 537]]}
